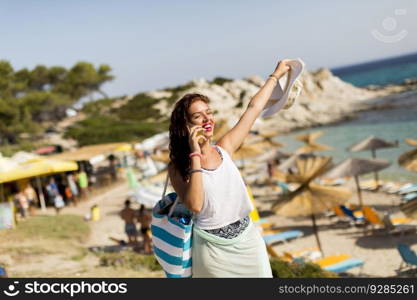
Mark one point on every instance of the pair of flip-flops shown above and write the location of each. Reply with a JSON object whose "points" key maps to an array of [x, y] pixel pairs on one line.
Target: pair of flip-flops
{"points": [[287, 89]]}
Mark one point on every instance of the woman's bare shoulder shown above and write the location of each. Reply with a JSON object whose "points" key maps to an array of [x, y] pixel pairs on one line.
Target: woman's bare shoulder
{"points": [[173, 173]]}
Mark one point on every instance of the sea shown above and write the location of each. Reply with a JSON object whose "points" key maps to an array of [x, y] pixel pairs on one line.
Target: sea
{"points": [[391, 124]]}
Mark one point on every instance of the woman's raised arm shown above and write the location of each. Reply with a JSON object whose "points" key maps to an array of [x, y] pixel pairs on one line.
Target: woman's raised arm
{"points": [[232, 140]]}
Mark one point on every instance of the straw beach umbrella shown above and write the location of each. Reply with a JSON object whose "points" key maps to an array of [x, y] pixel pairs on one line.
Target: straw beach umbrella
{"points": [[372, 143], [162, 156], [355, 167], [408, 160], [310, 199], [411, 142], [310, 143], [410, 208], [222, 127], [267, 136], [250, 150]]}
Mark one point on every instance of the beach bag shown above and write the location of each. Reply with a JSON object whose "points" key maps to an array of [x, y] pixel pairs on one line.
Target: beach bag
{"points": [[171, 229]]}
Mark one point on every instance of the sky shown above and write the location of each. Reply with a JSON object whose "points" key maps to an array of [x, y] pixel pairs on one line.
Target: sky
{"points": [[162, 43]]}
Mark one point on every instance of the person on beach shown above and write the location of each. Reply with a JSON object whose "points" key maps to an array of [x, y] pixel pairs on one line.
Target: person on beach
{"points": [[225, 242], [73, 188], [54, 195], [83, 183], [22, 204], [145, 219], [129, 216], [32, 198]]}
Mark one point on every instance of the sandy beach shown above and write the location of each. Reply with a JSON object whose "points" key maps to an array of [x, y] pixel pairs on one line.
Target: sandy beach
{"points": [[377, 250], [71, 262]]}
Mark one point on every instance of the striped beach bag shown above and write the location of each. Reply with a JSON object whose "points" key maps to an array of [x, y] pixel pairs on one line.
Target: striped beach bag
{"points": [[171, 229]]}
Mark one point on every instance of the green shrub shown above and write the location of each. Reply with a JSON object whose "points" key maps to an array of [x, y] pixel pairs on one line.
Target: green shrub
{"points": [[98, 107], [220, 80], [140, 108], [283, 269], [177, 91], [60, 227], [105, 129], [129, 260]]}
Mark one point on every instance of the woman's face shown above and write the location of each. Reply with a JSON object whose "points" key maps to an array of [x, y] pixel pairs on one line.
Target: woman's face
{"points": [[201, 114]]}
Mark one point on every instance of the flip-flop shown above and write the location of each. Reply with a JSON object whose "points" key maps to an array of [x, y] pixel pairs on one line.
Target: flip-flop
{"points": [[287, 89]]}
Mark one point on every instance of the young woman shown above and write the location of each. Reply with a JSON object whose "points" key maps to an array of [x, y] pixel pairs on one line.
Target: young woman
{"points": [[225, 243]]}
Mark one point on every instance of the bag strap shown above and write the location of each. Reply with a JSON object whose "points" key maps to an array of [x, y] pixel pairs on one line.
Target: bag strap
{"points": [[171, 210], [165, 186]]}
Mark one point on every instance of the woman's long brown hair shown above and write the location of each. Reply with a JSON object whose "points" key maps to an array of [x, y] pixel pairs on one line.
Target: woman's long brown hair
{"points": [[179, 148]]}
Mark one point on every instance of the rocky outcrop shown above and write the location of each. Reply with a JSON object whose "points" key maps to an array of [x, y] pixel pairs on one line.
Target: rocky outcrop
{"points": [[325, 98]]}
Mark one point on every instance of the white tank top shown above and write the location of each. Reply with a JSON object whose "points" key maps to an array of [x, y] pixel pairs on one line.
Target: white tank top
{"points": [[225, 197]]}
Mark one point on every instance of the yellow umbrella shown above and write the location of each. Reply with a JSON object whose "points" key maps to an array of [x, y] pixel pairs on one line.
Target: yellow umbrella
{"points": [[37, 167], [51, 166], [124, 147], [23, 171]]}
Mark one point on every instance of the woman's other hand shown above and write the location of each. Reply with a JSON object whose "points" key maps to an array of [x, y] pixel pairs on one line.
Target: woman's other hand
{"points": [[196, 138]]}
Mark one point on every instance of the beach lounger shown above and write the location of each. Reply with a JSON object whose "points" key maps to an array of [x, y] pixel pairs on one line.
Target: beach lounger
{"points": [[397, 227], [334, 263], [339, 263], [408, 188], [388, 224], [409, 257], [356, 216], [372, 217], [281, 236], [409, 197], [370, 185], [310, 254], [391, 187], [333, 182], [345, 265]]}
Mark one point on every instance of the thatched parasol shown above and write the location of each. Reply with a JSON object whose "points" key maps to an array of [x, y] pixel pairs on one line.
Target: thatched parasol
{"points": [[372, 143], [409, 160], [311, 198], [221, 128], [410, 208], [411, 142], [311, 148], [267, 137], [310, 137], [355, 167], [250, 151], [160, 177], [162, 156], [310, 144]]}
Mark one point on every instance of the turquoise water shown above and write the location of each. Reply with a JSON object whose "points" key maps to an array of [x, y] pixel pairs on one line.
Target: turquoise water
{"points": [[381, 76], [387, 71], [396, 124]]}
